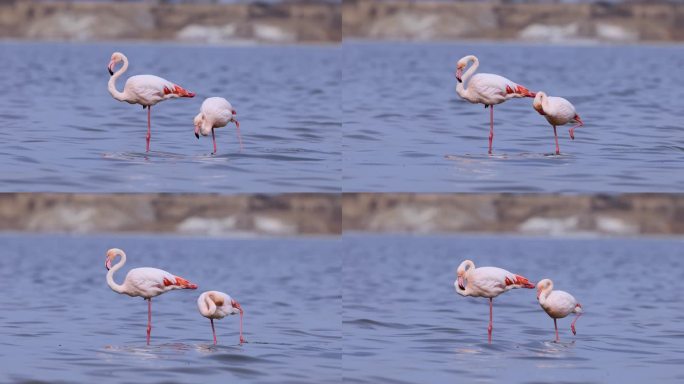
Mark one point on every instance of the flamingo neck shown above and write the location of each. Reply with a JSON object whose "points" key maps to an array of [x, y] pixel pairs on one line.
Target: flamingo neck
{"points": [[110, 275], [545, 294], [111, 86], [461, 86], [209, 307]]}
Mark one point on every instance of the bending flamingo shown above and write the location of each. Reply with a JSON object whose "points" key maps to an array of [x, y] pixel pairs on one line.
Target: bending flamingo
{"points": [[146, 90], [486, 88], [217, 305], [144, 282], [216, 112], [487, 282], [558, 111], [557, 304]]}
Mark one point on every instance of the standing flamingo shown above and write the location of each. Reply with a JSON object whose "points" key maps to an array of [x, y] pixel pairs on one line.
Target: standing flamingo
{"points": [[146, 90], [216, 112], [486, 88], [487, 282], [217, 305], [558, 111], [557, 304], [144, 282]]}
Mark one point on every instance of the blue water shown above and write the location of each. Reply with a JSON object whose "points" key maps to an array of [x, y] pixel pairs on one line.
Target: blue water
{"points": [[62, 130], [404, 323], [406, 129], [61, 323]]}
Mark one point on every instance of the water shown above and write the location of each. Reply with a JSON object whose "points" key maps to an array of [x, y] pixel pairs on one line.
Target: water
{"points": [[404, 323], [406, 129], [62, 130], [60, 322]]}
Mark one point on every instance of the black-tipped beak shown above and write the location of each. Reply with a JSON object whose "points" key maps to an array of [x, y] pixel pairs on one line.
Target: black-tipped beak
{"points": [[197, 135], [110, 71], [459, 79]]}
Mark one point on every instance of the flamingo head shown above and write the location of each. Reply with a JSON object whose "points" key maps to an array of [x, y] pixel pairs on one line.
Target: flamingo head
{"points": [[460, 66], [236, 305], [542, 286], [111, 255], [537, 103], [199, 122], [465, 266], [117, 57]]}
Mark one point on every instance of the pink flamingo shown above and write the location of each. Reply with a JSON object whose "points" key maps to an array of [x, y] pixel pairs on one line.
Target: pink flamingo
{"points": [[144, 282], [487, 282], [558, 111], [146, 90], [217, 305], [486, 88], [216, 112], [557, 304]]}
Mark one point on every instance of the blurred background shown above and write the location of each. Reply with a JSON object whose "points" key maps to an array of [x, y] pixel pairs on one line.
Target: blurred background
{"points": [[270, 21], [528, 20]]}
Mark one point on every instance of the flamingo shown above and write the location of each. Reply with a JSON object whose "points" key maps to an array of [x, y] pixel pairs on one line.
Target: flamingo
{"points": [[557, 304], [558, 111], [486, 88], [144, 282], [146, 90], [487, 282], [215, 112], [217, 305]]}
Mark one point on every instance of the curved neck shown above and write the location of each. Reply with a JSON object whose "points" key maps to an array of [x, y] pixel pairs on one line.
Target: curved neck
{"points": [[110, 274], [543, 100], [545, 293], [209, 306], [460, 87], [111, 86]]}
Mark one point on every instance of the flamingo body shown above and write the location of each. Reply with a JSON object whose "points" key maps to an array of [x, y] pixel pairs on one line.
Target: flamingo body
{"points": [[557, 111], [146, 90], [486, 88], [217, 305], [215, 112], [557, 304], [487, 282], [143, 282]]}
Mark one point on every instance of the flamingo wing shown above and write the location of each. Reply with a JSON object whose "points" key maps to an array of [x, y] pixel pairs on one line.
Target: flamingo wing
{"points": [[560, 109], [151, 89], [560, 304], [218, 110], [150, 282]]}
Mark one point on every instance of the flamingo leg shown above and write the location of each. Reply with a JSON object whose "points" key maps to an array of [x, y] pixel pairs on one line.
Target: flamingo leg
{"points": [[491, 127], [149, 319], [491, 325], [213, 330], [572, 326], [556, 136], [556, 325], [237, 127], [213, 137], [149, 130], [572, 130], [242, 339]]}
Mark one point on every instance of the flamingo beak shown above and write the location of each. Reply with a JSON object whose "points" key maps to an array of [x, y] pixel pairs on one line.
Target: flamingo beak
{"points": [[108, 264], [459, 73], [460, 282], [110, 67], [236, 305], [197, 132]]}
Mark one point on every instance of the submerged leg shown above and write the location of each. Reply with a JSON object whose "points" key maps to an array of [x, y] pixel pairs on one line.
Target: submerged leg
{"points": [[491, 325], [556, 325], [149, 319], [572, 326], [213, 137], [213, 330], [556, 136], [242, 339], [491, 127], [149, 131]]}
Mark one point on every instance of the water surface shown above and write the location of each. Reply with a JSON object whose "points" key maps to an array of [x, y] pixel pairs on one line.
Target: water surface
{"points": [[406, 129], [60, 322], [62, 130], [404, 323]]}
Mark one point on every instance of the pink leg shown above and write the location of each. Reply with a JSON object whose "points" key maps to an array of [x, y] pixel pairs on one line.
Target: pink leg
{"points": [[149, 319], [572, 326], [237, 127], [491, 127], [572, 130], [213, 137], [556, 325], [149, 130], [242, 339], [491, 325], [213, 330], [556, 136]]}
